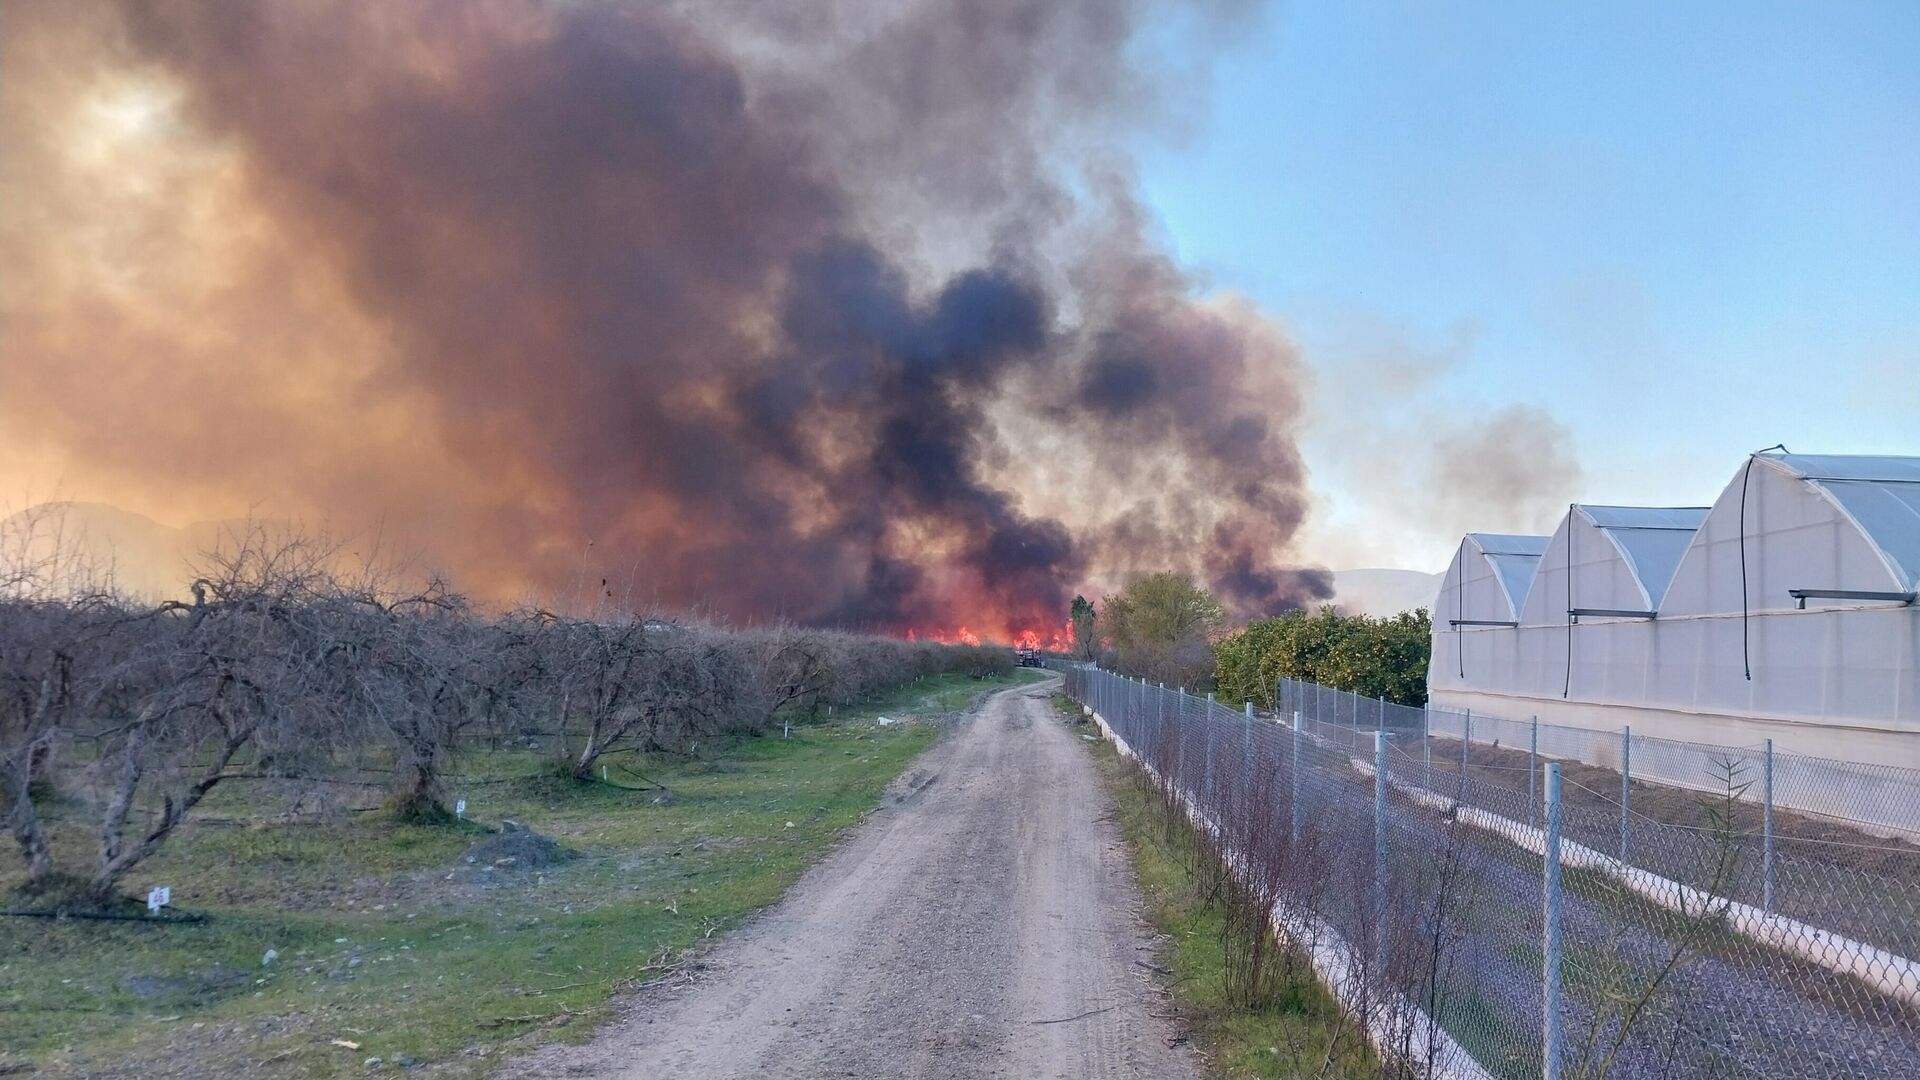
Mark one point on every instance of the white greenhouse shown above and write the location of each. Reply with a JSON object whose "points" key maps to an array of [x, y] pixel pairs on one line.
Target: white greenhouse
{"points": [[1785, 611]]}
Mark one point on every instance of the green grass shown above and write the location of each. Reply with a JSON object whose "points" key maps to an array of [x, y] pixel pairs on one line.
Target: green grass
{"points": [[388, 938], [1289, 1033]]}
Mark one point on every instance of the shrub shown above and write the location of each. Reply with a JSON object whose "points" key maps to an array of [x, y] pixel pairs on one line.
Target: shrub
{"points": [[1374, 657]]}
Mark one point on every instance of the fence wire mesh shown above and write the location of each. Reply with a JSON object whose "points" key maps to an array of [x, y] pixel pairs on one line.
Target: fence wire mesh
{"points": [[1410, 842]]}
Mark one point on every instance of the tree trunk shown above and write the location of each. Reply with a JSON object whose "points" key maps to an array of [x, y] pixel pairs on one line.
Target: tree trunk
{"points": [[39, 776], [23, 821], [117, 857], [590, 753], [27, 775], [415, 795]]}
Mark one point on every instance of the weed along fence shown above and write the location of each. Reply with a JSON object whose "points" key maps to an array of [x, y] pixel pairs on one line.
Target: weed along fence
{"points": [[1483, 918]]}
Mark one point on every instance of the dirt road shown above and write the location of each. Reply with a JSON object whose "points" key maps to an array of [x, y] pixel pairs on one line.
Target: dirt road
{"points": [[983, 923]]}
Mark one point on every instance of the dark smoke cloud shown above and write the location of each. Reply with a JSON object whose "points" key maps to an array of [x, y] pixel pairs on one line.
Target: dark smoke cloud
{"points": [[833, 312]]}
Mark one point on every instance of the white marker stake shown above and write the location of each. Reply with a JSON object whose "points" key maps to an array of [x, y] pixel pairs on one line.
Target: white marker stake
{"points": [[460, 809], [158, 897]]}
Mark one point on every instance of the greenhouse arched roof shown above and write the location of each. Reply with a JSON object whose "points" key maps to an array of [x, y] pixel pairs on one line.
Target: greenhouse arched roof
{"points": [[1880, 495], [1650, 540], [1609, 561], [1513, 559]]}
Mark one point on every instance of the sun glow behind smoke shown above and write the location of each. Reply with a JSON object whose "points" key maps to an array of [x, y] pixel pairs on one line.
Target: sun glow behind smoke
{"points": [[745, 314], [129, 109]]}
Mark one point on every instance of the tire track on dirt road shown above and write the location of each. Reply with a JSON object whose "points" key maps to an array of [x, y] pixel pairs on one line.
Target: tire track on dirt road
{"points": [[982, 923]]}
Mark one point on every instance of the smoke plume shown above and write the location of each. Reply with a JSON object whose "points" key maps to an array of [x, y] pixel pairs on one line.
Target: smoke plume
{"points": [[835, 312], [1419, 457]]}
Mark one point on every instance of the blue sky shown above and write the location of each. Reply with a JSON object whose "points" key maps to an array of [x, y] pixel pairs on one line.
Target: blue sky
{"points": [[1684, 231]]}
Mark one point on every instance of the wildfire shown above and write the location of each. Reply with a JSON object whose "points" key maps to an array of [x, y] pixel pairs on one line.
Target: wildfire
{"points": [[1060, 640], [960, 636]]}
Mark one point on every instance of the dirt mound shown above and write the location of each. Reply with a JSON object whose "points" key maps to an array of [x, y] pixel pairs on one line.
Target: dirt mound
{"points": [[516, 847]]}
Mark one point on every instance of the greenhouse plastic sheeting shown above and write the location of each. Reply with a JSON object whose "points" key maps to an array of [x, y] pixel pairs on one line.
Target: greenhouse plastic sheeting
{"points": [[1729, 656]]}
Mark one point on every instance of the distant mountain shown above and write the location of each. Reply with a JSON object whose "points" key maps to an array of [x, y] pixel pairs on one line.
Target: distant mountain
{"points": [[141, 556], [1384, 592]]}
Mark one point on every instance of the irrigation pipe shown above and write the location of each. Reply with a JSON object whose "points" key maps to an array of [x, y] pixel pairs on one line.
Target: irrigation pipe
{"points": [[100, 916]]}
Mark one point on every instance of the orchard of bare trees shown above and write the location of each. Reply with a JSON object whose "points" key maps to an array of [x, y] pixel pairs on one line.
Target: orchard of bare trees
{"points": [[118, 717]]}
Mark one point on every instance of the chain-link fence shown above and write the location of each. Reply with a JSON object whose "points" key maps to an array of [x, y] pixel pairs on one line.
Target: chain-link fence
{"points": [[1756, 799], [1876, 800], [1485, 920]]}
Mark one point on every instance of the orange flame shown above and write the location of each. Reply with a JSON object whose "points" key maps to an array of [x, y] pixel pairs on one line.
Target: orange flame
{"points": [[1060, 640], [960, 636]]}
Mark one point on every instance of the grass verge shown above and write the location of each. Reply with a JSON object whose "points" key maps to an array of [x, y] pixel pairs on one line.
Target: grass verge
{"points": [[388, 943], [1294, 1029]]}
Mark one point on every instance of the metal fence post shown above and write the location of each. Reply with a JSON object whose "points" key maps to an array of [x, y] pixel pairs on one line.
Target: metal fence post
{"points": [[1381, 723], [1156, 724], [1296, 777], [1626, 789], [1206, 781], [1533, 763], [1766, 831], [1550, 924], [1426, 738], [1246, 760], [1466, 740], [1380, 846]]}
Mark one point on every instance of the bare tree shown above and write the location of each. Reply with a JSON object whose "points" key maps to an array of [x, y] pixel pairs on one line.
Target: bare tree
{"points": [[792, 667], [636, 684], [38, 643], [280, 663], [416, 666], [155, 703]]}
